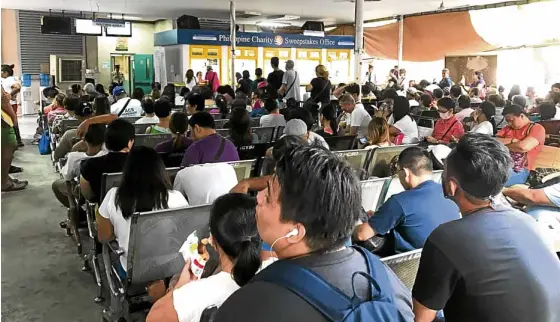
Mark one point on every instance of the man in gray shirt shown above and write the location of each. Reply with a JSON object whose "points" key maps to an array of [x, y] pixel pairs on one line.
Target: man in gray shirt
{"points": [[290, 82]]}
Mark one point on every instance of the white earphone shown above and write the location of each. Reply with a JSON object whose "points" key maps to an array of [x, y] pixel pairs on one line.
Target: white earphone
{"points": [[293, 232]]}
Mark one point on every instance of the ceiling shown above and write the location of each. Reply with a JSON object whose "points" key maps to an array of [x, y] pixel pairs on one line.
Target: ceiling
{"points": [[329, 11]]}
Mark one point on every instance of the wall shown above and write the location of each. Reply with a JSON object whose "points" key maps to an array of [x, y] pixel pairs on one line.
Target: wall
{"points": [[141, 42], [10, 39]]}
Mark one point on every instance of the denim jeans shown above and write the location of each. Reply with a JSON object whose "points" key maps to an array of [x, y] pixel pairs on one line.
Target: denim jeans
{"points": [[517, 177]]}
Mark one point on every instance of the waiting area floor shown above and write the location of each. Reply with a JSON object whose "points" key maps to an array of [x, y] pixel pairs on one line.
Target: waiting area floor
{"points": [[41, 276]]}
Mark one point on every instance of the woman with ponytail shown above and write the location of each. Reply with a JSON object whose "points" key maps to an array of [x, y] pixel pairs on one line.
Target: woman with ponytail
{"points": [[234, 235], [178, 126], [484, 118], [327, 118]]}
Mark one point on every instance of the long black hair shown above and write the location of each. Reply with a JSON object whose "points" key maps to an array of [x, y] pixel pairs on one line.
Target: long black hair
{"points": [[234, 228], [401, 108], [8, 69], [145, 183], [240, 127], [489, 111], [101, 105], [329, 113], [178, 125]]}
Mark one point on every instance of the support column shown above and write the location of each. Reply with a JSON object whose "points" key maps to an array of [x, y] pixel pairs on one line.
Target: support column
{"points": [[359, 40], [401, 36], [232, 40]]}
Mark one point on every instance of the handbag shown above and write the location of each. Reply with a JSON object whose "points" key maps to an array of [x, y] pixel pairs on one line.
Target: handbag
{"points": [[45, 143]]}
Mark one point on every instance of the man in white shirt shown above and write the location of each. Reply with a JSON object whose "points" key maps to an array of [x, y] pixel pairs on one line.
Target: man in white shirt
{"points": [[133, 107], [359, 117], [290, 82], [94, 139], [202, 184]]}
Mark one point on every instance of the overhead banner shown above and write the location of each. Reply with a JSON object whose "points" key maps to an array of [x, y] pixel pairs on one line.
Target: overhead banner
{"points": [[250, 39]]}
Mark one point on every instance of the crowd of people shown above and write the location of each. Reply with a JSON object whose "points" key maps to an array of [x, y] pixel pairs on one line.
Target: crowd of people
{"points": [[278, 249]]}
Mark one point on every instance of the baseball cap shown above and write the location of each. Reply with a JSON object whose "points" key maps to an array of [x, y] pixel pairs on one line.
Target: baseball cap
{"points": [[412, 90], [295, 127], [118, 90]]}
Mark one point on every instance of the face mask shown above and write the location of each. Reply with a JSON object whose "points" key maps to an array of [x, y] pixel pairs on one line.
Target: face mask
{"points": [[444, 116]]}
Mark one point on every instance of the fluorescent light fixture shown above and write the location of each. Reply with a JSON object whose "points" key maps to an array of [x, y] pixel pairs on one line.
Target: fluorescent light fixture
{"points": [[328, 29], [272, 24], [379, 23]]}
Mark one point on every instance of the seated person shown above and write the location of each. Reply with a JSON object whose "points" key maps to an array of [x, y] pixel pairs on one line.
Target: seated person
{"points": [[94, 139], [234, 235], [201, 184], [148, 106], [144, 187], [240, 128], [196, 103], [378, 134], [484, 119], [50, 95], [57, 108], [274, 118], [307, 118], [178, 126], [464, 109], [412, 215], [119, 139], [359, 117], [302, 216], [401, 122], [264, 93], [82, 110], [547, 112], [476, 267], [70, 107], [125, 106], [447, 129], [540, 202], [208, 146], [524, 139], [162, 108], [328, 122]]}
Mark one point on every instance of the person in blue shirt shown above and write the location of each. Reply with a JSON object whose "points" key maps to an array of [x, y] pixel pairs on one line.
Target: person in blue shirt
{"points": [[413, 214]]}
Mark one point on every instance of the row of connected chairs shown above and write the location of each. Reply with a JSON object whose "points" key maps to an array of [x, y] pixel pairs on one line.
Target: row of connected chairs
{"points": [[264, 134]]}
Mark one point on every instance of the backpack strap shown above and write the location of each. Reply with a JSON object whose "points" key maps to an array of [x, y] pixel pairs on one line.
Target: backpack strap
{"points": [[124, 107], [378, 277], [328, 300], [220, 149]]}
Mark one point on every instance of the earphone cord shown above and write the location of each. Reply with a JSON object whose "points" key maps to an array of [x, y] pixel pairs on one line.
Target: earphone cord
{"points": [[272, 246]]}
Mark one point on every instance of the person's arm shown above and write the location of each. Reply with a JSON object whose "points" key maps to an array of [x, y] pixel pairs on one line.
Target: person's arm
{"points": [[363, 232], [284, 85], [85, 189], [16, 88], [100, 119], [64, 147], [308, 88], [282, 89], [382, 221], [422, 313], [164, 309], [529, 197], [394, 131], [7, 108], [339, 91], [354, 130], [535, 137], [253, 184], [105, 231]]}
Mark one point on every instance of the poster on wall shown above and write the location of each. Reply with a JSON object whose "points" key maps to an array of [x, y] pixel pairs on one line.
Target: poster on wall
{"points": [[160, 74], [465, 66], [122, 44]]}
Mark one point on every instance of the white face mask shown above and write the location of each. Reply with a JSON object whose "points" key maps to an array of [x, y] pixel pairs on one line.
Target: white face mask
{"points": [[445, 116]]}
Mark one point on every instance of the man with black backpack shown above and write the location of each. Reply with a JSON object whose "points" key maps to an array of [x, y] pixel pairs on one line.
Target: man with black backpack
{"points": [[307, 214]]}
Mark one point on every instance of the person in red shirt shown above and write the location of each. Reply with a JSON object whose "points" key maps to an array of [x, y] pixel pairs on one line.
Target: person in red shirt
{"points": [[521, 136], [447, 129]]}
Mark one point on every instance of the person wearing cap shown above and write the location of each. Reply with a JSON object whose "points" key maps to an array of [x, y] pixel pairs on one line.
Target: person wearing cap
{"points": [[492, 264], [409, 216], [411, 93], [307, 119], [290, 82], [447, 129], [117, 77], [524, 139], [132, 107]]}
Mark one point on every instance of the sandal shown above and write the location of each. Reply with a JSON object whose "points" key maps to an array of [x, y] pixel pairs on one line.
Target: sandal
{"points": [[15, 186], [18, 181], [14, 169]]}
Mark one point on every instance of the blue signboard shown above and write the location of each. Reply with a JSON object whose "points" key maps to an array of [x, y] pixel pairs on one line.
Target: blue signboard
{"points": [[250, 39]]}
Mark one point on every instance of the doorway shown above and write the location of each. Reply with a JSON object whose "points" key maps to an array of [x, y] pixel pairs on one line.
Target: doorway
{"points": [[125, 63]]}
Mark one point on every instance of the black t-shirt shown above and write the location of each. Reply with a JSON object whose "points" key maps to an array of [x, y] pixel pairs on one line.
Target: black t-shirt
{"points": [[275, 78], [245, 85], [489, 266], [262, 301], [321, 91], [92, 169]]}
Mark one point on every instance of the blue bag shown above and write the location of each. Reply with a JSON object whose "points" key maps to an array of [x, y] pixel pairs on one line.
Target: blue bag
{"points": [[330, 301], [45, 143]]}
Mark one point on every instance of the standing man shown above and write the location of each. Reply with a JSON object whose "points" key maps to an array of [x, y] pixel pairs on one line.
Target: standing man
{"points": [[371, 76], [290, 83], [445, 79], [117, 78], [275, 78], [491, 265]]}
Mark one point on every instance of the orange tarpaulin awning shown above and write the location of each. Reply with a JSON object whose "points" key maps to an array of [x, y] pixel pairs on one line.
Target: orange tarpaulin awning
{"points": [[425, 38]]}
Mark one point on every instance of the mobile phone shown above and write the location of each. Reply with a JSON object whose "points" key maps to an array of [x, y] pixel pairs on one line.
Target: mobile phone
{"points": [[363, 140]]}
